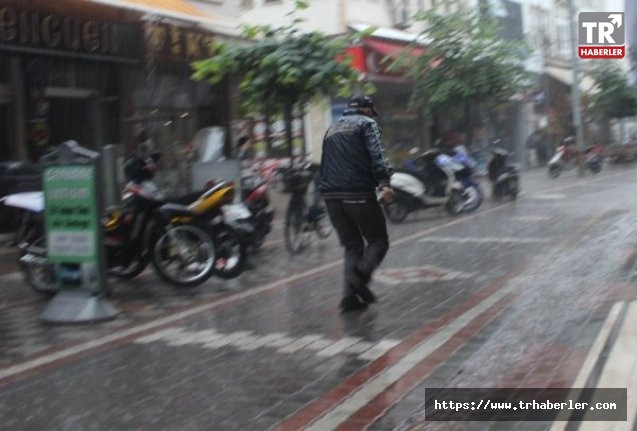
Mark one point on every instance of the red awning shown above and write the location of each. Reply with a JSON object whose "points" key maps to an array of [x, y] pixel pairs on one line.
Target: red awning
{"points": [[368, 57], [392, 49]]}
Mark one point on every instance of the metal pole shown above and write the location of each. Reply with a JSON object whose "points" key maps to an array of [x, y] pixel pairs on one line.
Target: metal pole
{"points": [[575, 98], [111, 186]]}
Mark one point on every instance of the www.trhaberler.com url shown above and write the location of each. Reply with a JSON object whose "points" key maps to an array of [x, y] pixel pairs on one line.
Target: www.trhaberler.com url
{"points": [[526, 404]]}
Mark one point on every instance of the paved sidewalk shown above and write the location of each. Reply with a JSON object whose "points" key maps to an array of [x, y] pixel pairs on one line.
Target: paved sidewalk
{"points": [[514, 295]]}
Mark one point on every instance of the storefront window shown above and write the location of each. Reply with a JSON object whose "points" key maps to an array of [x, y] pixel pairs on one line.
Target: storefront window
{"points": [[4, 70], [172, 108], [7, 146]]}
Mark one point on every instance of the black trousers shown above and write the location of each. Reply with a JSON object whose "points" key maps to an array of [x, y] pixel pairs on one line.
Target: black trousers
{"points": [[357, 221]]}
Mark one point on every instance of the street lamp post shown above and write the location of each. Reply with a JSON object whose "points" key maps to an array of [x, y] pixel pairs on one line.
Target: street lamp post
{"points": [[575, 101]]}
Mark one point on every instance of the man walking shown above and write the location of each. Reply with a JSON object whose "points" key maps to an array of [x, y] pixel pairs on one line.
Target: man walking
{"points": [[353, 167]]}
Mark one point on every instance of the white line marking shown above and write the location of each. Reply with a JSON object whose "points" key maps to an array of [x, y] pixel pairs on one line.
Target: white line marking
{"points": [[531, 218], [619, 370], [320, 344], [281, 341], [338, 347], [378, 350], [359, 348], [246, 341], [299, 344], [382, 381], [592, 356], [483, 240], [548, 196], [158, 335]]}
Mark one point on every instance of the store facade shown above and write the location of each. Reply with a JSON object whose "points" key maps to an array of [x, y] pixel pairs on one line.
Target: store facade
{"points": [[101, 75], [403, 128], [61, 76]]}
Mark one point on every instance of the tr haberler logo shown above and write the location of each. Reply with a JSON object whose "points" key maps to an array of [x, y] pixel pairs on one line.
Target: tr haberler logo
{"points": [[601, 35]]}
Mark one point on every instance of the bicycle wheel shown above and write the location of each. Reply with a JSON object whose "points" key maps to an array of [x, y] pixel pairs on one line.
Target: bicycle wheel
{"points": [[231, 252], [323, 225], [295, 221]]}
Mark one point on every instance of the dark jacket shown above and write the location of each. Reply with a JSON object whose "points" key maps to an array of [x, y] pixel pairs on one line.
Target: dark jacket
{"points": [[353, 164]]}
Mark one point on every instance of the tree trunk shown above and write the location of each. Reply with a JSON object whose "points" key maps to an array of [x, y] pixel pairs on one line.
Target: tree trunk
{"points": [[289, 138], [268, 135], [469, 126], [607, 133]]}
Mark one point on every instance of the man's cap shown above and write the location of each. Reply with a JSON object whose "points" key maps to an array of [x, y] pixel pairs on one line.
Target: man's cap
{"points": [[362, 102]]}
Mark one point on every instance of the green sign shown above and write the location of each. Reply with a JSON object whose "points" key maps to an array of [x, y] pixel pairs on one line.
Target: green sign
{"points": [[71, 214]]}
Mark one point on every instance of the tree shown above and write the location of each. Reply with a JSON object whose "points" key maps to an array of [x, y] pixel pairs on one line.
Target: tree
{"points": [[614, 98], [283, 69], [465, 63]]}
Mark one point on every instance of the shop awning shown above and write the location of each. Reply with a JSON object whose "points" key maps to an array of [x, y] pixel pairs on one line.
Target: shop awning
{"points": [[565, 76], [392, 49], [178, 10]]}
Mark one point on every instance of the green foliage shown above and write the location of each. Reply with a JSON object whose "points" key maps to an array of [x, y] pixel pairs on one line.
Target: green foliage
{"points": [[282, 67], [615, 98], [465, 62]]}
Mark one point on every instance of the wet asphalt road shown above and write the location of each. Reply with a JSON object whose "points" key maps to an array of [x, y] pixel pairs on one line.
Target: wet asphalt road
{"points": [[524, 294]]}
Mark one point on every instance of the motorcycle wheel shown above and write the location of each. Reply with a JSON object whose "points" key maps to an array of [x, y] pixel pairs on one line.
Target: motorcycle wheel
{"points": [[184, 255], [294, 229], [595, 167], [513, 189], [455, 204], [323, 227], [231, 253], [554, 171], [473, 198], [257, 243], [397, 210], [40, 276], [496, 193]]}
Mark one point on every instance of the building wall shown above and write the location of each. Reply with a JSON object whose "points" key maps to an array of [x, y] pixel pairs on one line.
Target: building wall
{"points": [[321, 15]]}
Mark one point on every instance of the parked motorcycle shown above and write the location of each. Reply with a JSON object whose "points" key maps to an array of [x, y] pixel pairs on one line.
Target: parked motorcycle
{"points": [[256, 224], [565, 158], [222, 217], [433, 184], [465, 173], [186, 244], [504, 177]]}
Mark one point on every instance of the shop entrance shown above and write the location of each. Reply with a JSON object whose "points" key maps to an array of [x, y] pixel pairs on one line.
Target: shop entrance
{"points": [[69, 119]]}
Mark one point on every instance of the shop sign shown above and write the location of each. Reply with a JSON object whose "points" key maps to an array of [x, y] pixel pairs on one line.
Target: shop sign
{"points": [[66, 33], [71, 214], [171, 42]]}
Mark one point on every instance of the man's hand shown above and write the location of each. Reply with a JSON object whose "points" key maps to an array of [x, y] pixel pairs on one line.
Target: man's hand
{"points": [[387, 194]]}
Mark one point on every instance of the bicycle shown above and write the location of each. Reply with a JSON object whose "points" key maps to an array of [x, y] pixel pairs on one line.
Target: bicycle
{"points": [[301, 220]]}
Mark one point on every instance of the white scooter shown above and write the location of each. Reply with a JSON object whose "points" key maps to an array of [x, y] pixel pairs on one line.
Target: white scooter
{"points": [[433, 185]]}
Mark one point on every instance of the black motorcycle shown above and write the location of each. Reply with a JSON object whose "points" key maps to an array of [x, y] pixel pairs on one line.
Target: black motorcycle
{"points": [[504, 177], [180, 241], [255, 197]]}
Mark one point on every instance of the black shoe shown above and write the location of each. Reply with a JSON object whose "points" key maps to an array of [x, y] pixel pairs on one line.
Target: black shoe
{"points": [[352, 303], [361, 289], [364, 293]]}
